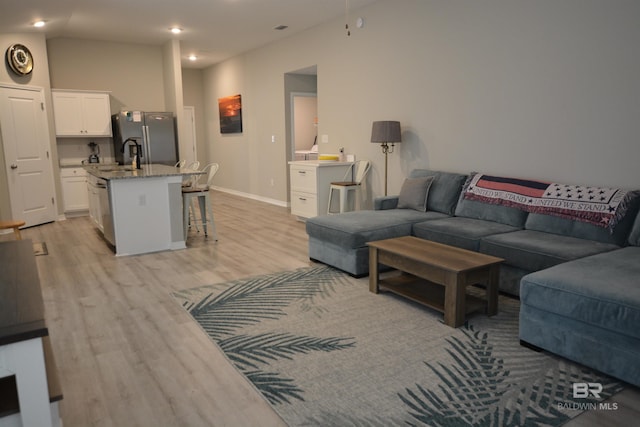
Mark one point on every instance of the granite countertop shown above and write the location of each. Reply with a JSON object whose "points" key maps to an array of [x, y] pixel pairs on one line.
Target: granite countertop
{"points": [[21, 304], [109, 172]]}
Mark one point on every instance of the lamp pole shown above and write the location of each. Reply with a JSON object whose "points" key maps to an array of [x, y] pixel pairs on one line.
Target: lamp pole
{"points": [[386, 149]]}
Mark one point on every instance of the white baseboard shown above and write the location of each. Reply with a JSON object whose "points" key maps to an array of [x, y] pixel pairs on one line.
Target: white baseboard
{"points": [[253, 197]]}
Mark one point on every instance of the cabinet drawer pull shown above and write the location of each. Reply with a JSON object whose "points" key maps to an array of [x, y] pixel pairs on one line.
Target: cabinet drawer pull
{"points": [[302, 199], [302, 172]]}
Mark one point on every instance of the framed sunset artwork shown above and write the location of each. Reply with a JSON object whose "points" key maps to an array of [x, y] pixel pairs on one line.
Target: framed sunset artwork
{"points": [[230, 109]]}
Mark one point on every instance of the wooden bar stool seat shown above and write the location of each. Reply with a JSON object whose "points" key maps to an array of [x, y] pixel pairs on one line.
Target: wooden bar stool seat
{"points": [[4, 225]]}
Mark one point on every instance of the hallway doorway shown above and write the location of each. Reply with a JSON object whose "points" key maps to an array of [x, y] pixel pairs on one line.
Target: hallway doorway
{"points": [[304, 121]]}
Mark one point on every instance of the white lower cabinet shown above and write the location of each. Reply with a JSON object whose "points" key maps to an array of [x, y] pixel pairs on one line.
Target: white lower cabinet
{"points": [[310, 182], [74, 189]]}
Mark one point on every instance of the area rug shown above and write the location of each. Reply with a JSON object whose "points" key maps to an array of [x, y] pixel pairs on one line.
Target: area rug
{"points": [[325, 351], [40, 248]]}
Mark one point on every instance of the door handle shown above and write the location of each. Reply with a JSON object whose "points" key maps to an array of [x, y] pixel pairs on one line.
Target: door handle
{"points": [[14, 166], [147, 143]]}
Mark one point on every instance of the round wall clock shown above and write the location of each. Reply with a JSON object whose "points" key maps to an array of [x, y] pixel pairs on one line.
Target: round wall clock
{"points": [[19, 59]]}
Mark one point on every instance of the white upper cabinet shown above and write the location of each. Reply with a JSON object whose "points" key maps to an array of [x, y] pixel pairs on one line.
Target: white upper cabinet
{"points": [[81, 113]]}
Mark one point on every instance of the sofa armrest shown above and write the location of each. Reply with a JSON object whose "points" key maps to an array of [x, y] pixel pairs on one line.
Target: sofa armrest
{"points": [[385, 202]]}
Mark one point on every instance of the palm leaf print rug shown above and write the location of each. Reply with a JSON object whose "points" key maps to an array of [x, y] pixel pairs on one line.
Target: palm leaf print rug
{"points": [[325, 351]]}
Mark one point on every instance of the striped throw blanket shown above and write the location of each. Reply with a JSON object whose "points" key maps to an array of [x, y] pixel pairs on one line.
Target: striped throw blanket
{"points": [[600, 206]]}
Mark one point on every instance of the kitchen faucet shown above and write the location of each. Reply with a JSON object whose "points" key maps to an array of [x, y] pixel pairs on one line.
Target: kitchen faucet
{"points": [[138, 150]]}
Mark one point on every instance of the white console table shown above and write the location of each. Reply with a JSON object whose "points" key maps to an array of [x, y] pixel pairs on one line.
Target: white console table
{"points": [[310, 182]]}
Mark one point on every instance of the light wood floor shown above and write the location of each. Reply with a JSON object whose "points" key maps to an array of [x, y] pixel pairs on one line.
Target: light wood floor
{"points": [[128, 355]]}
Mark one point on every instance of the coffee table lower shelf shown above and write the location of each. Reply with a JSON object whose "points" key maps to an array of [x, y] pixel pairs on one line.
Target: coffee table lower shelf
{"points": [[426, 293]]}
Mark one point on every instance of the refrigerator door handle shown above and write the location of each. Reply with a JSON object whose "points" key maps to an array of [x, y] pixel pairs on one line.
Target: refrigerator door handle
{"points": [[147, 143]]}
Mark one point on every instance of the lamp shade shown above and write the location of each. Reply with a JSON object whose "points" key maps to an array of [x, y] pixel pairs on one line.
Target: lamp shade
{"points": [[386, 131]]}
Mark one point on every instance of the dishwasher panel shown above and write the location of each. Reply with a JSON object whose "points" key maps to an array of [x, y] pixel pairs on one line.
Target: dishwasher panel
{"points": [[105, 211]]}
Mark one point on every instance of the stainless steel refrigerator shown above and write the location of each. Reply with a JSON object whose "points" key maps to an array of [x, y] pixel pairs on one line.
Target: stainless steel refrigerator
{"points": [[155, 134]]}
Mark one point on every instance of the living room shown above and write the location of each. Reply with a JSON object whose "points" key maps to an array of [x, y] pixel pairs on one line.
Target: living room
{"points": [[538, 89]]}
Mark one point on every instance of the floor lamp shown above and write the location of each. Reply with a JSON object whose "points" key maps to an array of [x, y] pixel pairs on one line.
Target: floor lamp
{"points": [[385, 133]]}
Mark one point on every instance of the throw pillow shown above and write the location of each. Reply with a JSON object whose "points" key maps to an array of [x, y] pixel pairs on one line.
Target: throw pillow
{"points": [[414, 193]]}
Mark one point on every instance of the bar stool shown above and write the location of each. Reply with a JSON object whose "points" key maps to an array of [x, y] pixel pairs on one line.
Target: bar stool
{"points": [[193, 166], [201, 192], [194, 181], [4, 225], [361, 169]]}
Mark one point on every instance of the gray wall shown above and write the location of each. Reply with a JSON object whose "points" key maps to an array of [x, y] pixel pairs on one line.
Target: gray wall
{"points": [[539, 89], [134, 74]]}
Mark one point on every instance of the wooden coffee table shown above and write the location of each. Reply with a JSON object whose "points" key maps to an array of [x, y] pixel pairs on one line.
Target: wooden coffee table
{"points": [[446, 271]]}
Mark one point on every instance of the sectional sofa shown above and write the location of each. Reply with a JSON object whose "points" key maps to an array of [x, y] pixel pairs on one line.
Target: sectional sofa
{"points": [[578, 281]]}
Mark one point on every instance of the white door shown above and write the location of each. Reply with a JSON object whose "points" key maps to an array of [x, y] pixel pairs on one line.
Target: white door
{"points": [[25, 136], [190, 154]]}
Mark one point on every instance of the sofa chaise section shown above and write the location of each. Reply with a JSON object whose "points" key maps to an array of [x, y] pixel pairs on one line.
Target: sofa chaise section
{"points": [[587, 310], [340, 240]]}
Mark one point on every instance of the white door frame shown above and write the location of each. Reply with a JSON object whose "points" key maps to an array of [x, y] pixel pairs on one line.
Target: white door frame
{"points": [[47, 212]]}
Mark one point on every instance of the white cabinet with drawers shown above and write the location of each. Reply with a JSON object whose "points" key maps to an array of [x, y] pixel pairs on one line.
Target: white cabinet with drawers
{"points": [[310, 182], [74, 189]]}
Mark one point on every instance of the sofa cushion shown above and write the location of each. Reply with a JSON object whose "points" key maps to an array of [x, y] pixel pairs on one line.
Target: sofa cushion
{"points": [[600, 290], [535, 250], [458, 231], [486, 211], [584, 230], [444, 191], [414, 193], [355, 229], [634, 235]]}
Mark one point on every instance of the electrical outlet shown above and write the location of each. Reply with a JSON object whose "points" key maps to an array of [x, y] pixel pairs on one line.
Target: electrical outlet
{"points": [[273, 182], [273, 138], [325, 139]]}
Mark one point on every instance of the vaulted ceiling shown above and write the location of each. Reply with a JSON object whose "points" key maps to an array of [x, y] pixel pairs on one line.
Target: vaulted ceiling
{"points": [[213, 30]]}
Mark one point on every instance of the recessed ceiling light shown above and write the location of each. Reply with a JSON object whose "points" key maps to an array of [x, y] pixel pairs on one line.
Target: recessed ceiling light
{"points": [[192, 57], [175, 30], [39, 24], [281, 27]]}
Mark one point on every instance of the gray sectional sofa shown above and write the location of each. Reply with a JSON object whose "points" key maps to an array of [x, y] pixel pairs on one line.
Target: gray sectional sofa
{"points": [[579, 283]]}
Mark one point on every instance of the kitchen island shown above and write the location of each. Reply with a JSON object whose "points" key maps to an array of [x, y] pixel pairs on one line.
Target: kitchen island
{"points": [[138, 210]]}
